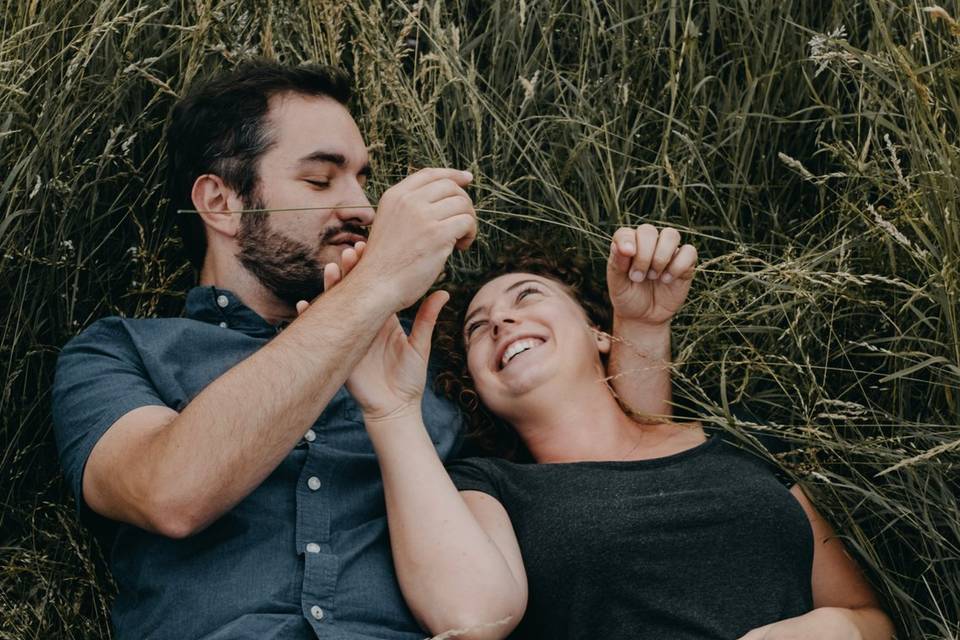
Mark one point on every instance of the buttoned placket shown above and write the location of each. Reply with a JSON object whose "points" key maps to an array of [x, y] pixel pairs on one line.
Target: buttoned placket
{"points": [[321, 566]]}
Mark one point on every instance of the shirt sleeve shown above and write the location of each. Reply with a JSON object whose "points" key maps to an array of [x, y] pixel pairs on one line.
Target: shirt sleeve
{"points": [[473, 474], [99, 378], [771, 442]]}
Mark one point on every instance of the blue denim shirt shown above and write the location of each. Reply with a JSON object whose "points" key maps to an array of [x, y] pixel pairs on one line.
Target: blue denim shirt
{"points": [[305, 555]]}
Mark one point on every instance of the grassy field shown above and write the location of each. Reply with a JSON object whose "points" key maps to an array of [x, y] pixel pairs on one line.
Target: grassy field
{"points": [[809, 148]]}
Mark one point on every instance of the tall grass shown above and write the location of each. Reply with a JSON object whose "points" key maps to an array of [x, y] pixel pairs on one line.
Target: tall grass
{"points": [[809, 149]]}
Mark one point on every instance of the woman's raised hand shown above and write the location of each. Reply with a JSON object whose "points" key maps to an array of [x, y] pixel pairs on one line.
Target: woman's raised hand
{"points": [[649, 273], [389, 380]]}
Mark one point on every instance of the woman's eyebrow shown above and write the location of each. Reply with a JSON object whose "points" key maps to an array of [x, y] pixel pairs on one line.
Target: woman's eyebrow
{"points": [[519, 283], [471, 314]]}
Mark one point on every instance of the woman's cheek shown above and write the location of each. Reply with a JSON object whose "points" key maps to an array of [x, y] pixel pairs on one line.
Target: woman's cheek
{"points": [[472, 367]]}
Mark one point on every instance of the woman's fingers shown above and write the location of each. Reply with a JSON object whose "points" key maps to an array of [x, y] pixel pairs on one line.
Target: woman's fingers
{"points": [[667, 243], [334, 273], [759, 633], [622, 249], [645, 253], [422, 331], [646, 246], [331, 275], [348, 260], [682, 265]]}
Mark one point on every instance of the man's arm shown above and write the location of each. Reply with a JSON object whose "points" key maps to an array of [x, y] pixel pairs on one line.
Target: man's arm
{"points": [[648, 277], [175, 473]]}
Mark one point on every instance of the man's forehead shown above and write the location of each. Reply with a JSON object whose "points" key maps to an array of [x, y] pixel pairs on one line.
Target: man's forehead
{"points": [[315, 128]]}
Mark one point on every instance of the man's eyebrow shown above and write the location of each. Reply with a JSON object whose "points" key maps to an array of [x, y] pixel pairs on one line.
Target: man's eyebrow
{"points": [[324, 156], [519, 283], [337, 159]]}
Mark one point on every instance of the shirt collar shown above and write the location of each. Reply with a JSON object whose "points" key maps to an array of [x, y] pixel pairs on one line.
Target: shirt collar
{"points": [[222, 307]]}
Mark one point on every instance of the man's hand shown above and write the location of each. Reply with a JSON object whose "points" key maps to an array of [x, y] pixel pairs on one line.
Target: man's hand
{"points": [[419, 221], [649, 274]]}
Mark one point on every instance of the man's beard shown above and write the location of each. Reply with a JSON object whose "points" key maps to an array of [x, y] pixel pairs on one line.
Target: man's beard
{"points": [[288, 268]]}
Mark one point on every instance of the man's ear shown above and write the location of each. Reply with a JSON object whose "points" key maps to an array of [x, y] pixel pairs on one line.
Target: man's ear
{"points": [[603, 340], [217, 204]]}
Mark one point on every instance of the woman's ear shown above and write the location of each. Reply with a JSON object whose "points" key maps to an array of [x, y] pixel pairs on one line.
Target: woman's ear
{"points": [[217, 204], [603, 340]]}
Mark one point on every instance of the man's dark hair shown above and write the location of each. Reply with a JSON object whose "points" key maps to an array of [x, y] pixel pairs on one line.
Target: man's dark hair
{"points": [[219, 127]]}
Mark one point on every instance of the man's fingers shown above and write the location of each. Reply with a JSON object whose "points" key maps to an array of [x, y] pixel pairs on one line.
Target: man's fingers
{"points": [[463, 227], [667, 244], [432, 174], [439, 189], [646, 245], [301, 307], [450, 207], [422, 331], [682, 265]]}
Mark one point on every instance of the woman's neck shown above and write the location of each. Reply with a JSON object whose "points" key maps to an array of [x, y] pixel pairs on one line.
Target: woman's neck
{"points": [[589, 424]]}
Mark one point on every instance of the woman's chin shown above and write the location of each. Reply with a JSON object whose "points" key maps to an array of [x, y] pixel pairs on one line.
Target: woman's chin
{"points": [[520, 379]]}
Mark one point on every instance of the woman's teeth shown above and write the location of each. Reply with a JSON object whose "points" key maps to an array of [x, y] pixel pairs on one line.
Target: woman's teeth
{"points": [[519, 347]]}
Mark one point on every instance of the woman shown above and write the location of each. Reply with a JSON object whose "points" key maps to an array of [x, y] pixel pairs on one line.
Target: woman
{"points": [[621, 528]]}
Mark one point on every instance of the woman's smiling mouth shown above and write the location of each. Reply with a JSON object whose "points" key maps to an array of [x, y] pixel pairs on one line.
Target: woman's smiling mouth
{"points": [[515, 348]]}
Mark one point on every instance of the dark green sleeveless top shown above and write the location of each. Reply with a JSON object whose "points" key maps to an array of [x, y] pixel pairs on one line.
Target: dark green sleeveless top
{"points": [[707, 543]]}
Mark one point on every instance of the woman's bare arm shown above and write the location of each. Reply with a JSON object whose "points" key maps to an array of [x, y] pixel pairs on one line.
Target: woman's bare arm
{"points": [[456, 556], [845, 606]]}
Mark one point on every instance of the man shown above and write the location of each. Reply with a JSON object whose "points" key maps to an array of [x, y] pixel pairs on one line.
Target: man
{"points": [[227, 469]]}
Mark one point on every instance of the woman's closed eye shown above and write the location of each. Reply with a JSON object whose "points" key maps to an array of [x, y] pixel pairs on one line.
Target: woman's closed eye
{"points": [[526, 292], [320, 184], [472, 327]]}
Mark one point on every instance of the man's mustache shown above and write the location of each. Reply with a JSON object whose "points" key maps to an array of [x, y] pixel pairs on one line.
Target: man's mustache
{"points": [[346, 228]]}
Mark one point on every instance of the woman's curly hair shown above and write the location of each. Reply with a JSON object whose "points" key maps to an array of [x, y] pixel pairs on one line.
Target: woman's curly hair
{"points": [[486, 433]]}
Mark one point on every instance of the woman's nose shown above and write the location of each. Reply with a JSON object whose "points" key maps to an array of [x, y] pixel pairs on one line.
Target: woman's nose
{"points": [[498, 322]]}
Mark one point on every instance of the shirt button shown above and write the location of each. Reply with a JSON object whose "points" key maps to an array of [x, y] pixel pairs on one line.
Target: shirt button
{"points": [[316, 612], [222, 301], [310, 435], [223, 325], [313, 547], [314, 483]]}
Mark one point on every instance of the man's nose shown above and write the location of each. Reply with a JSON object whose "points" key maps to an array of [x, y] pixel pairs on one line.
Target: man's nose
{"points": [[356, 209]]}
